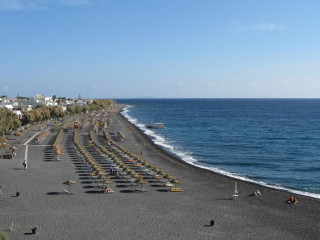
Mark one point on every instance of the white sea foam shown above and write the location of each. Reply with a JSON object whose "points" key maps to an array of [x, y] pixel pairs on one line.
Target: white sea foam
{"points": [[185, 156]]}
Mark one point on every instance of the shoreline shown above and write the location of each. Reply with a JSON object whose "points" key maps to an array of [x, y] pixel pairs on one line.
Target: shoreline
{"points": [[127, 214], [172, 155]]}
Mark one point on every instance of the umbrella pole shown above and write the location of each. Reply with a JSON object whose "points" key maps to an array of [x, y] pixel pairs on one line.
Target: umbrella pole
{"points": [[69, 188]]}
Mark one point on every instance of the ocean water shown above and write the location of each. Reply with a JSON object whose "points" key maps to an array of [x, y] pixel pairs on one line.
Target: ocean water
{"points": [[273, 142]]}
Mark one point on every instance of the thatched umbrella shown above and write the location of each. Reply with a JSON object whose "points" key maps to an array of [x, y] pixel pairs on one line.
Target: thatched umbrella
{"points": [[141, 181], [69, 182], [175, 181], [131, 172], [168, 176], [107, 182], [137, 175], [161, 172], [100, 172], [102, 177], [153, 166], [19, 134], [3, 140]]}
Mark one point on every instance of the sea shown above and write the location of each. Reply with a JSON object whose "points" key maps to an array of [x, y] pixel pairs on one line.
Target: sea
{"points": [[272, 142]]}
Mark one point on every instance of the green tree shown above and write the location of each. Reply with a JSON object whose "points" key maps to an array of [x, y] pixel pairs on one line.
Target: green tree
{"points": [[70, 110], [8, 121], [16, 124], [38, 116], [40, 106], [3, 236], [78, 109]]}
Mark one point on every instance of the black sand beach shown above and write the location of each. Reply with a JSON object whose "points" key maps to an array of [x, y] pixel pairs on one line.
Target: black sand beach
{"points": [[126, 214]]}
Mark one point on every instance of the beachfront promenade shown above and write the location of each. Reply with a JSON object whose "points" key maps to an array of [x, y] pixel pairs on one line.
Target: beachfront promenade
{"points": [[158, 213]]}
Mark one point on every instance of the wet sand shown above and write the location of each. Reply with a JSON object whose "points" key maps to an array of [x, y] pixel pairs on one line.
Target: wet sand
{"points": [[126, 214]]}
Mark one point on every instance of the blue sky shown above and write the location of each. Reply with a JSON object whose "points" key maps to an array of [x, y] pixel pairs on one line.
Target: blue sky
{"points": [[160, 48]]}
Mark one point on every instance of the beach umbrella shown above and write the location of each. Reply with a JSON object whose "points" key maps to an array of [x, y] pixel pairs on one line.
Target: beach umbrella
{"points": [[161, 172], [131, 172], [137, 175], [102, 177], [168, 176], [100, 172], [3, 140], [141, 181], [19, 134], [153, 166], [175, 181], [126, 169], [156, 170], [107, 181], [69, 183]]}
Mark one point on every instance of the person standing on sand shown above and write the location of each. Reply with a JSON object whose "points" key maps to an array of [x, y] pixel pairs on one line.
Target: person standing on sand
{"points": [[141, 152], [24, 164]]}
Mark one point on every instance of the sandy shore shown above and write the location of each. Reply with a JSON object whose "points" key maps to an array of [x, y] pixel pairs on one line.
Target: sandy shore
{"points": [[126, 214]]}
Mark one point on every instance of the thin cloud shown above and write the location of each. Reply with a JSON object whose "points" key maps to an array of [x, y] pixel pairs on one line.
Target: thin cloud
{"points": [[11, 5], [19, 5], [73, 2], [261, 27]]}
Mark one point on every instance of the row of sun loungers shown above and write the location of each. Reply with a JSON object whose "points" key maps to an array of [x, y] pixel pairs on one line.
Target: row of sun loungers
{"points": [[95, 171], [56, 146], [130, 166], [42, 136]]}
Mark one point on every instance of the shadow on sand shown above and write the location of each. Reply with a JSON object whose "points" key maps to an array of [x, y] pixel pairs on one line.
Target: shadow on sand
{"points": [[54, 193], [163, 190], [94, 191], [127, 191], [18, 168]]}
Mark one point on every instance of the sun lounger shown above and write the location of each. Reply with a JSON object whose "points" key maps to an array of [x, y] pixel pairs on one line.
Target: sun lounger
{"points": [[168, 184], [141, 189], [177, 190]]}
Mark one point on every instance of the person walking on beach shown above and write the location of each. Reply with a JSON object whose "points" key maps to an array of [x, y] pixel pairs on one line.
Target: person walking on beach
{"points": [[24, 164], [141, 152]]}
